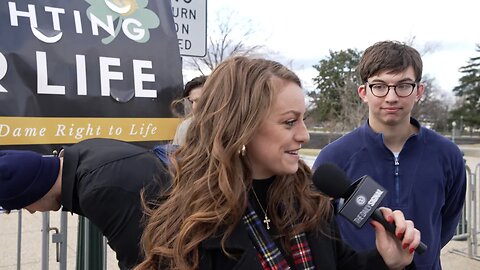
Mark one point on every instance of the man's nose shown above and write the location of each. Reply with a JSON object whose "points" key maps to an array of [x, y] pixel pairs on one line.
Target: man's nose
{"points": [[391, 95]]}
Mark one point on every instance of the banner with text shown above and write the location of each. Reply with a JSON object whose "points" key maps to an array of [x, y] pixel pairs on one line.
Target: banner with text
{"points": [[71, 70]]}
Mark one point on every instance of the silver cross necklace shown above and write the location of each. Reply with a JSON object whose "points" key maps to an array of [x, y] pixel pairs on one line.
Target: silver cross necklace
{"points": [[266, 220]]}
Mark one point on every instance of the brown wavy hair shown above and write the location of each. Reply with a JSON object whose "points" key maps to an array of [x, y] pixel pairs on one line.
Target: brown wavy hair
{"points": [[211, 179]]}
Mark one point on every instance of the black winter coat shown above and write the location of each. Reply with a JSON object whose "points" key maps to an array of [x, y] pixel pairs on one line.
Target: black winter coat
{"points": [[328, 253]]}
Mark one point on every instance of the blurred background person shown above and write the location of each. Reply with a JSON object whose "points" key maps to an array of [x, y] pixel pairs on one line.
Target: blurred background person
{"points": [[191, 93]]}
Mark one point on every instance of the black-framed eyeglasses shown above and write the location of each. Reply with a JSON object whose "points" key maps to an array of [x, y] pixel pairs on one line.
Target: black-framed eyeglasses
{"points": [[382, 89], [189, 100], [192, 100]]}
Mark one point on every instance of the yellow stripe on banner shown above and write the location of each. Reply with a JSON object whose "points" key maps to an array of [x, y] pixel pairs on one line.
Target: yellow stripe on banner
{"points": [[57, 130]]}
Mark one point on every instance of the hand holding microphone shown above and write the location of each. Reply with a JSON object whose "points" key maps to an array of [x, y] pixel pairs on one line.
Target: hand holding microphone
{"points": [[362, 199]]}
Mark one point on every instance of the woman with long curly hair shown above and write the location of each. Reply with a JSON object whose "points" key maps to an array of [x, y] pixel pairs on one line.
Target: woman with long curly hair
{"points": [[241, 198]]}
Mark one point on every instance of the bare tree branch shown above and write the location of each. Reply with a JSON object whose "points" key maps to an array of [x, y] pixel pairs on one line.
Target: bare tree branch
{"points": [[227, 37]]}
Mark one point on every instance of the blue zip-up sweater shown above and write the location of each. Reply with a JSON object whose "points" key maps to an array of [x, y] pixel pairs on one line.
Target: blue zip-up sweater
{"points": [[427, 182]]}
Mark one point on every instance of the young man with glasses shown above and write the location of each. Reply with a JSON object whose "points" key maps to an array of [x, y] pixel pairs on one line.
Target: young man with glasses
{"points": [[423, 171]]}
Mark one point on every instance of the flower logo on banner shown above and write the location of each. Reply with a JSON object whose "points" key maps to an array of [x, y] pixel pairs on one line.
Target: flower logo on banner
{"points": [[129, 16]]}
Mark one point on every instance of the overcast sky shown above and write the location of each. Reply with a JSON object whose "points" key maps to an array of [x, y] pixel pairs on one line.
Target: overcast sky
{"points": [[303, 31]]}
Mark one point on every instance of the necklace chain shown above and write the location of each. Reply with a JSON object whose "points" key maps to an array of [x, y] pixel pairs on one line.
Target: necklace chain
{"points": [[266, 220]]}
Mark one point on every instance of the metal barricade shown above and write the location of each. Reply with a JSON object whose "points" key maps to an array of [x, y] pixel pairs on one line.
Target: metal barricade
{"points": [[462, 232], [468, 226], [91, 246], [19, 235], [57, 236], [475, 200]]}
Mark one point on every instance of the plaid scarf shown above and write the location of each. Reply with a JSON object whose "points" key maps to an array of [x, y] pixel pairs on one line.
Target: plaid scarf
{"points": [[270, 256]]}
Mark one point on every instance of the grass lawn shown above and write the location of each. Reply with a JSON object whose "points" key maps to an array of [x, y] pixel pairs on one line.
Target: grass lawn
{"points": [[309, 152]]}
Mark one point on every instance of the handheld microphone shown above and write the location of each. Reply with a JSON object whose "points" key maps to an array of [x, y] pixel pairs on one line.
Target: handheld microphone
{"points": [[362, 197]]}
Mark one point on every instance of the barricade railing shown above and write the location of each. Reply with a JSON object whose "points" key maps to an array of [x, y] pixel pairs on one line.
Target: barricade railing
{"points": [[19, 235], [58, 236], [473, 243], [462, 232], [467, 228]]}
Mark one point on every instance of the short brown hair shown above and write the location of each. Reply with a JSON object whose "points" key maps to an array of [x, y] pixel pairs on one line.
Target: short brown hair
{"points": [[391, 56], [194, 83]]}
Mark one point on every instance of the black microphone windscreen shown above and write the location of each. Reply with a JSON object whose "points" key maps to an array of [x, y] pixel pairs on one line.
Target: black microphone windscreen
{"points": [[331, 180]]}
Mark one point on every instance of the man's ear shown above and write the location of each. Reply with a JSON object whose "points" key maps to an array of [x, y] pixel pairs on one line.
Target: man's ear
{"points": [[420, 90], [362, 93]]}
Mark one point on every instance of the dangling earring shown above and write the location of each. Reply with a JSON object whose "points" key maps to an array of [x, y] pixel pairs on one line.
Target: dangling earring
{"points": [[242, 151]]}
